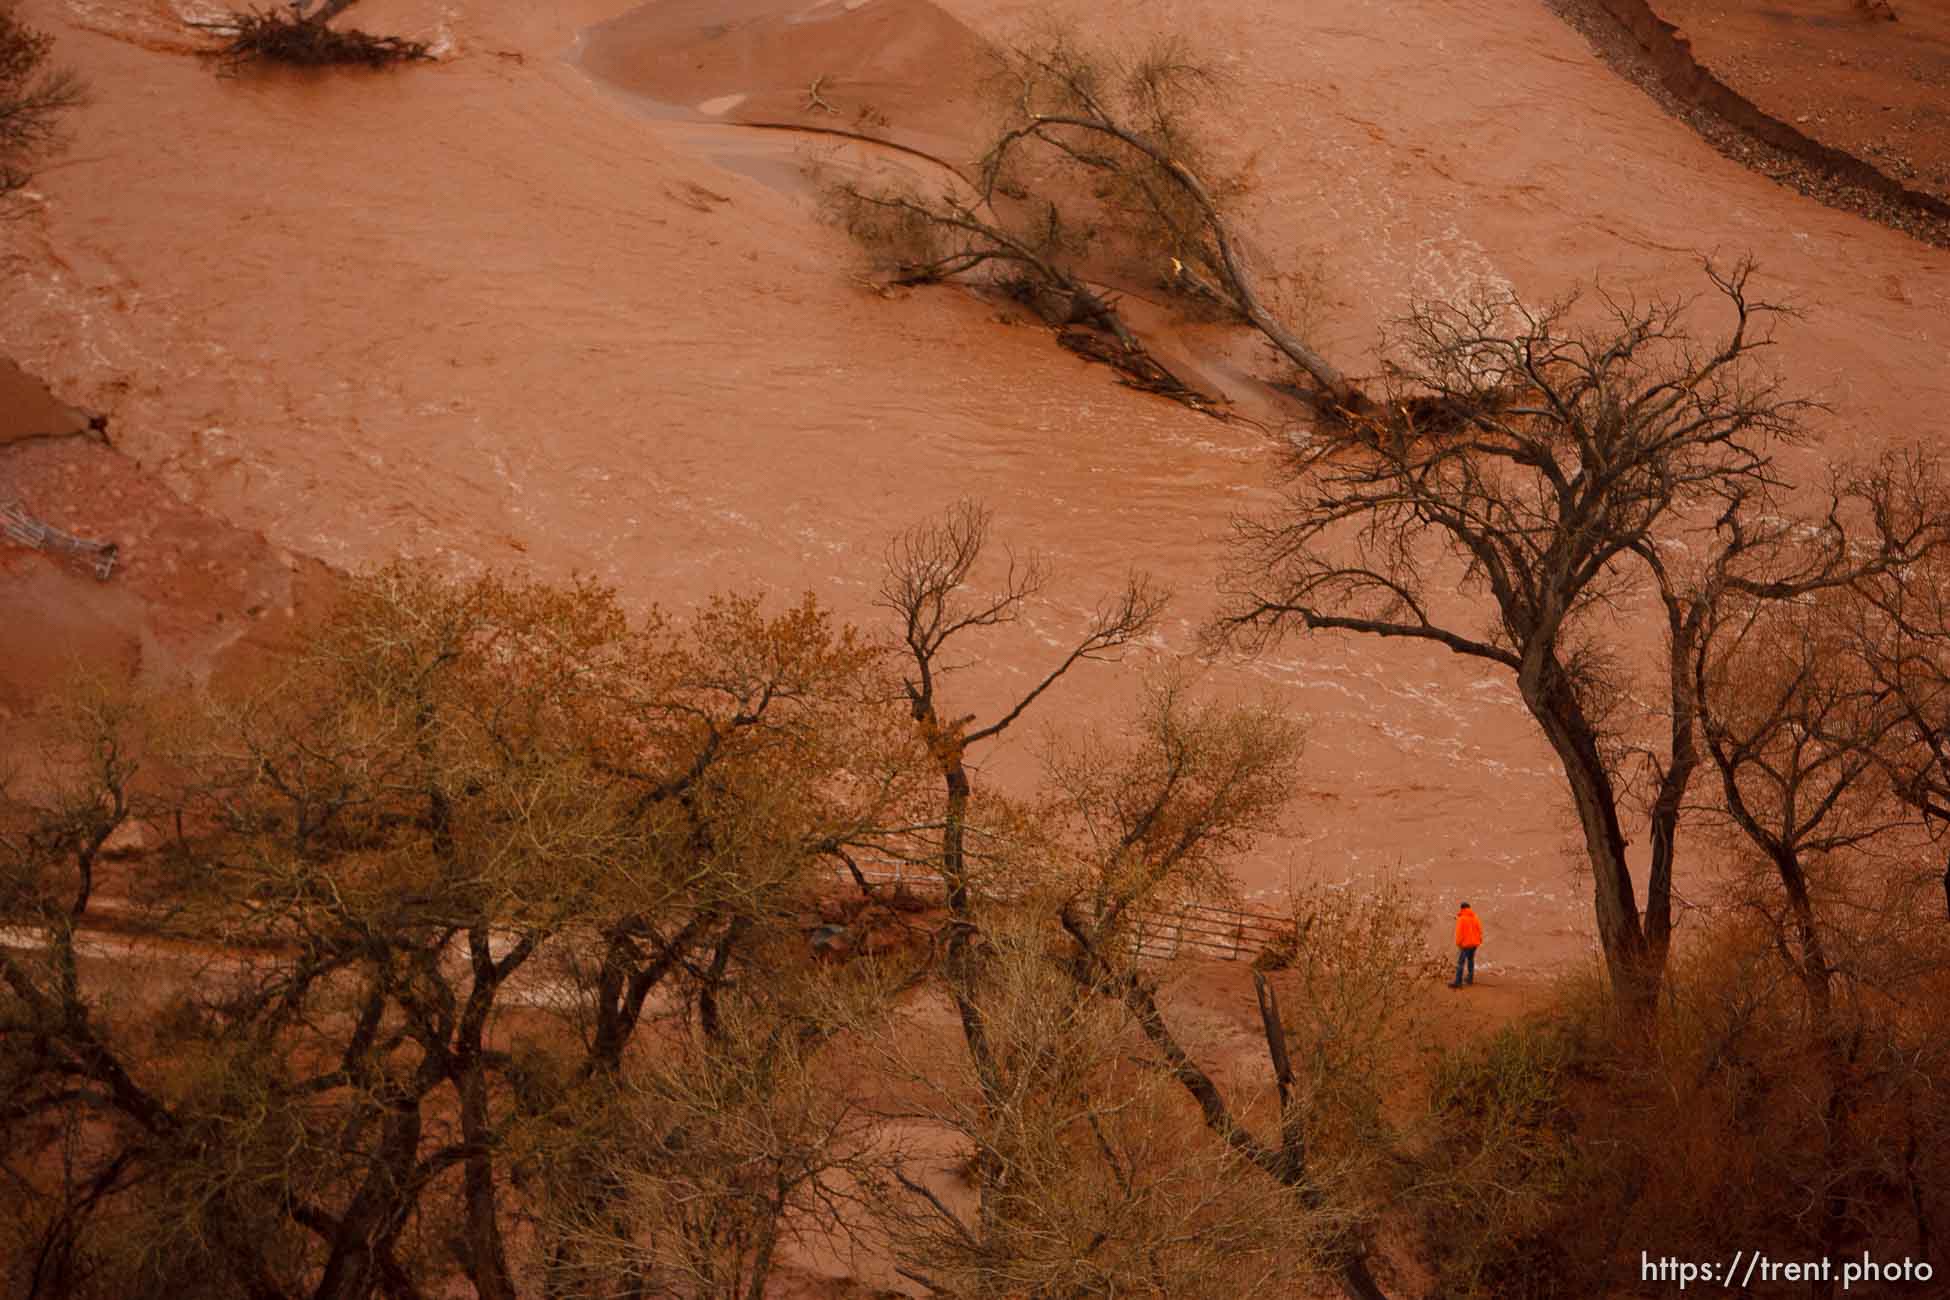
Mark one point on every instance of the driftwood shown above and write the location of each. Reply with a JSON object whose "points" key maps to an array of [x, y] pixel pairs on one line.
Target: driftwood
{"points": [[817, 102]]}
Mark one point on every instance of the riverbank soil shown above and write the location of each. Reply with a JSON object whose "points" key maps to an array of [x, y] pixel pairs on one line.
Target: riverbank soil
{"points": [[1871, 86]]}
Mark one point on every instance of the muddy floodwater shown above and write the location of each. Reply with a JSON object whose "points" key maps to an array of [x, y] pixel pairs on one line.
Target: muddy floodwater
{"points": [[564, 302]]}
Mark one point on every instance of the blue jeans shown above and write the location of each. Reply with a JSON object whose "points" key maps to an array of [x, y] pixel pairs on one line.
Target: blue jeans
{"points": [[1465, 957]]}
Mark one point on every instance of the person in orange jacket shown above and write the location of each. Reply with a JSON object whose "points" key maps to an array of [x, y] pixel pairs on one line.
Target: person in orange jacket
{"points": [[1469, 937]]}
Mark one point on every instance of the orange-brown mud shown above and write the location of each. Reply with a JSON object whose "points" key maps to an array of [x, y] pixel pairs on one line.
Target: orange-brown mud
{"points": [[545, 303]]}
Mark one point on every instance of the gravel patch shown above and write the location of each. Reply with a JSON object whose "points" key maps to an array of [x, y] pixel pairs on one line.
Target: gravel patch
{"points": [[1620, 51]]}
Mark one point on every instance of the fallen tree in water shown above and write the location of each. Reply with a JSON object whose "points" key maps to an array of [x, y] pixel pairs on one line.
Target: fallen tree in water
{"points": [[1095, 171]]}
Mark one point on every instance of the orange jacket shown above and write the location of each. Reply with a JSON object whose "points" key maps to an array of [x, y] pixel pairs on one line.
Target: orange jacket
{"points": [[1469, 930]]}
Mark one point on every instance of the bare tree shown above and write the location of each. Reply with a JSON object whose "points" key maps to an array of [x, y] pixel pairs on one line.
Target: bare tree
{"points": [[927, 588], [1095, 159], [1901, 634], [930, 568], [1103, 1185], [1794, 729], [1803, 707], [33, 98], [1132, 824], [1566, 470], [1152, 821], [1804, 723]]}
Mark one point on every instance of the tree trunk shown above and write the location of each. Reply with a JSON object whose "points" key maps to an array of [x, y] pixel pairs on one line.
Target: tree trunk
{"points": [[487, 1258], [377, 1213], [1238, 282], [1635, 970], [962, 962], [1683, 759]]}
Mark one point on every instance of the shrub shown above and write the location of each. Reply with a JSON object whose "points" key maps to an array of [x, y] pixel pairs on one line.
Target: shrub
{"points": [[32, 99], [1502, 1165], [1564, 1146]]}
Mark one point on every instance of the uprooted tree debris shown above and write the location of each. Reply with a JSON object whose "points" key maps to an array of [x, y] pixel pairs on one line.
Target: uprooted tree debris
{"points": [[1096, 174], [301, 34]]}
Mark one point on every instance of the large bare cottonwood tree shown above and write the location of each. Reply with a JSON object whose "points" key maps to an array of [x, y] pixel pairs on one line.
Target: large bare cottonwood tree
{"points": [[1558, 474]]}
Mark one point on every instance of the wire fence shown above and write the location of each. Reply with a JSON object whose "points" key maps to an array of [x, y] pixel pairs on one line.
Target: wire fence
{"points": [[22, 527], [1160, 934]]}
